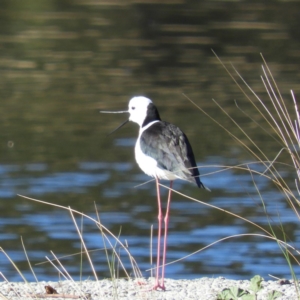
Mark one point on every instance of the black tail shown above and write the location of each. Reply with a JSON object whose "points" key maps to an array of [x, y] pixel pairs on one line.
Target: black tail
{"points": [[200, 184]]}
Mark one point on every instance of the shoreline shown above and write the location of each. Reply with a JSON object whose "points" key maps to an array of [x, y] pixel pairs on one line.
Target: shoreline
{"points": [[176, 289]]}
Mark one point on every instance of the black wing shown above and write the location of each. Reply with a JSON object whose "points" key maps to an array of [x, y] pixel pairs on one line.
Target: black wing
{"points": [[167, 144]]}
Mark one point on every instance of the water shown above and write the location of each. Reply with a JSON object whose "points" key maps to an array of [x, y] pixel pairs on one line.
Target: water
{"points": [[61, 63]]}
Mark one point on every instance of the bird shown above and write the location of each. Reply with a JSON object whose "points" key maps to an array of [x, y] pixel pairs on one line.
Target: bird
{"points": [[163, 152]]}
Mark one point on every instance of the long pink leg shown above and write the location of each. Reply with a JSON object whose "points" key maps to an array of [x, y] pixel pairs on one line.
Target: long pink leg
{"points": [[160, 217], [165, 237]]}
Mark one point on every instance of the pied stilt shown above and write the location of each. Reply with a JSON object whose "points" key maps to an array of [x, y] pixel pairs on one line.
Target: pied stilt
{"points": [[162, 151]]}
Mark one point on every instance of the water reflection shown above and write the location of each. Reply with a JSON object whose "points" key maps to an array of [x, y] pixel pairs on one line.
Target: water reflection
{"points": [[193, 224]]}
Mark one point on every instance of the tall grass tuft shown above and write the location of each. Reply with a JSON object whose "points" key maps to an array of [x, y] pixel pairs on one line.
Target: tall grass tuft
{"points": [[283, 126]]}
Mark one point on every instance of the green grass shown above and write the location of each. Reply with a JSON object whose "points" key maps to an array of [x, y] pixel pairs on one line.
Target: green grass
{"points": [[235, 293]]}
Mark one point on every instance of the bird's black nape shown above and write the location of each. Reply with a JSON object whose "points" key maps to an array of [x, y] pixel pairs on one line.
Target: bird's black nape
{"points": [[152, 114]]}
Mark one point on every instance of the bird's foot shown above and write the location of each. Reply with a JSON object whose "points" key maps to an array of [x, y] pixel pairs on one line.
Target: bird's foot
{"points": [[155, 287], [159, 286]]}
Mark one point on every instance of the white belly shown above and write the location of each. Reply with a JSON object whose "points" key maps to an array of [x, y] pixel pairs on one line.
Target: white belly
{"points": [[149, 164]]}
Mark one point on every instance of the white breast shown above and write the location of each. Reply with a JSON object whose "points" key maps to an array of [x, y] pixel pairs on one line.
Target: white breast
{"points": [[149, 164]]}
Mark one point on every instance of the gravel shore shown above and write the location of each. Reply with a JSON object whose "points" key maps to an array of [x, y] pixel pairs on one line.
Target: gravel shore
{"points": [[204, 288]]}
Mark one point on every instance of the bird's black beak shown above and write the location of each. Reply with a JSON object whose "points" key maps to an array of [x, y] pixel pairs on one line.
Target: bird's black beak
{"points": [[116, 112], [119, 127]]}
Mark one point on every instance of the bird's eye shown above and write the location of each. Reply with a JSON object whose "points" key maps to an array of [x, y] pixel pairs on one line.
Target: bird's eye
{"points": [[133, 108]]}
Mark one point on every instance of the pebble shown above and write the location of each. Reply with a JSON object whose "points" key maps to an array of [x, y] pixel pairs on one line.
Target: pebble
{"points": [[123, 289]]}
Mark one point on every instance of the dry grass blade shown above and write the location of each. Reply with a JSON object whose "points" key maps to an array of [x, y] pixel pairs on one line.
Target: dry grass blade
{"points": [[13, 264], [269, 234], [98, 224], [84, 246], [28, 260], [276, 115], [231, 237], [12, 286]]}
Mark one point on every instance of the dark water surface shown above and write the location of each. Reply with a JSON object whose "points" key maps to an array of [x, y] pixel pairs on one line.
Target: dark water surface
{"points": [[63, 61]]}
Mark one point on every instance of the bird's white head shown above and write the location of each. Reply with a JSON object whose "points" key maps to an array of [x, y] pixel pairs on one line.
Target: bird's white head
{"points": [[141, 110], [137, 108]]}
